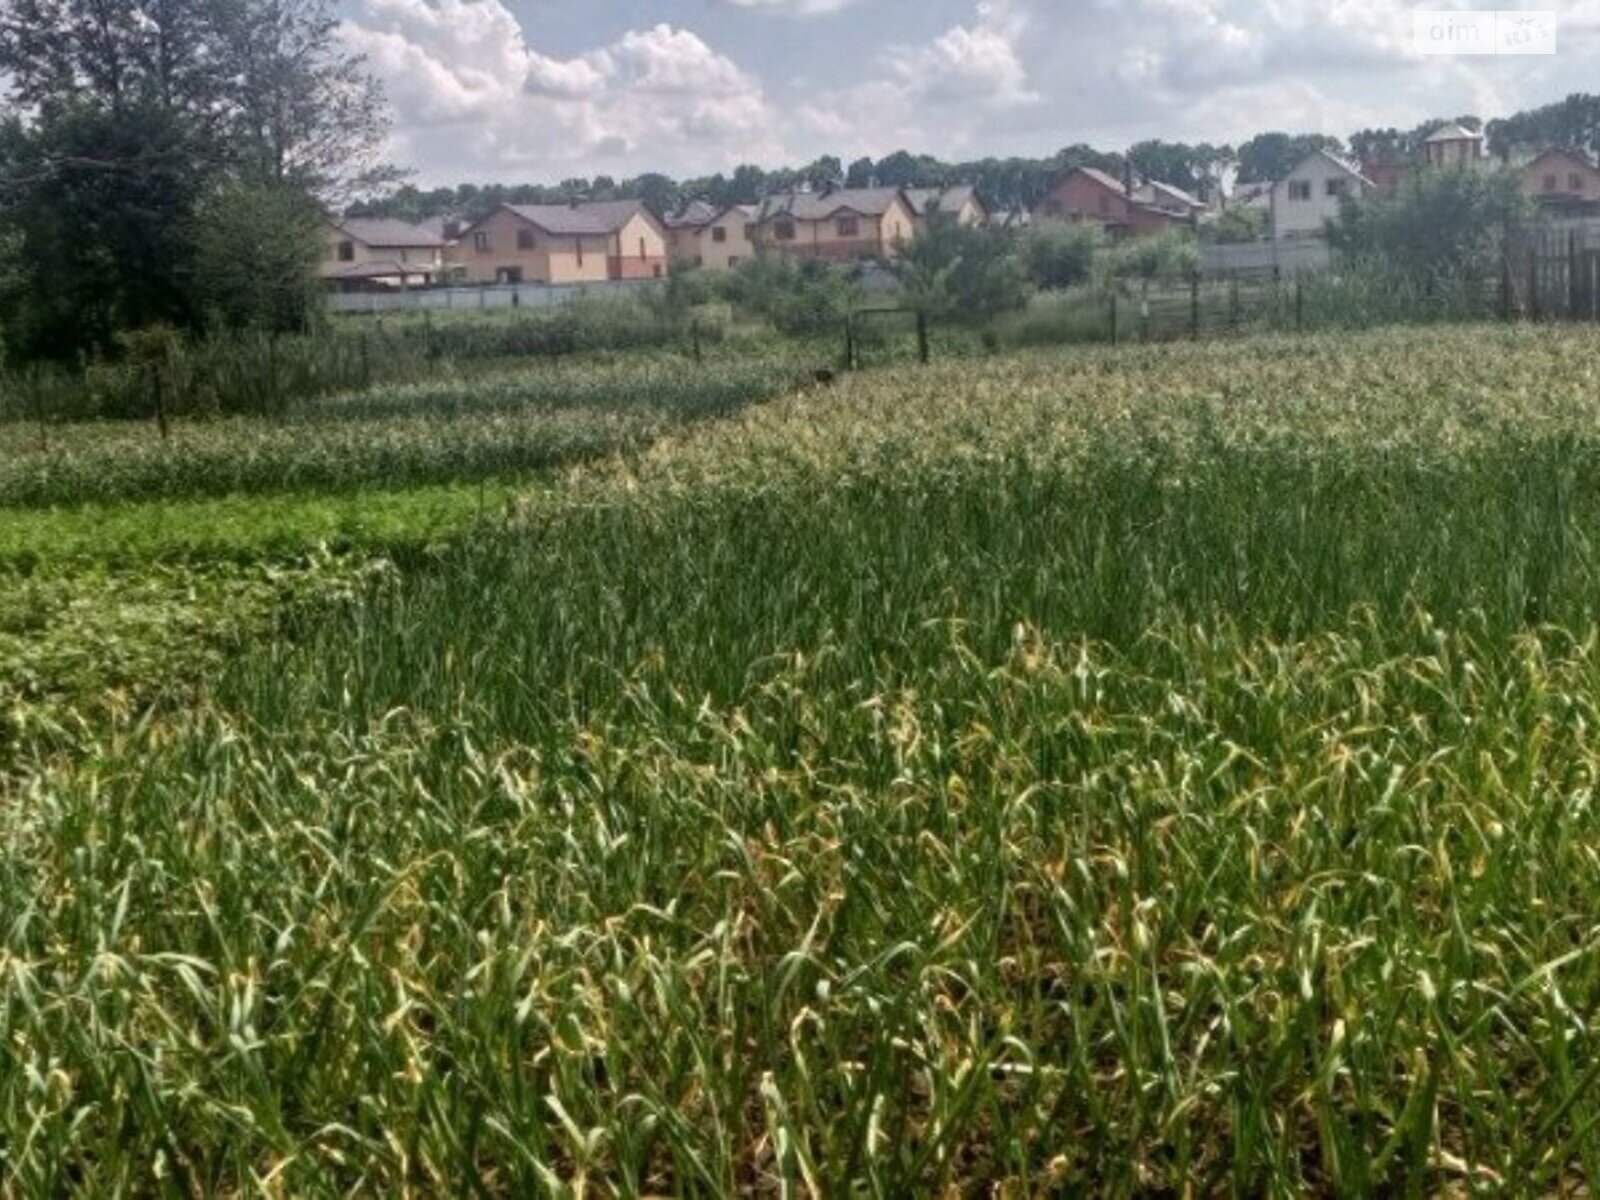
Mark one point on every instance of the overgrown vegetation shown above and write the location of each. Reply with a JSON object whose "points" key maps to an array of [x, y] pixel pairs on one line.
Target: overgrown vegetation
{"points": [[1078, 773]]}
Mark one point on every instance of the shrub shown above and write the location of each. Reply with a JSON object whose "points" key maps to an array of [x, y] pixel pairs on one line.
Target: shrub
{"points": [[1059, 254]]}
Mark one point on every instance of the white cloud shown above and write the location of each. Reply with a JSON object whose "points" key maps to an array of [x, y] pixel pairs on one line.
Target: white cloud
{"points": [[473, 99], [791, 8]]}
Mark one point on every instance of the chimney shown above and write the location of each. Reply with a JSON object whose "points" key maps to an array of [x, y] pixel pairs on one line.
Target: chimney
{"points": [[1127, 177]]}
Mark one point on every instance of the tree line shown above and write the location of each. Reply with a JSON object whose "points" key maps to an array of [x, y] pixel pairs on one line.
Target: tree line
{"points": [[163, 164], [1011, 183]]}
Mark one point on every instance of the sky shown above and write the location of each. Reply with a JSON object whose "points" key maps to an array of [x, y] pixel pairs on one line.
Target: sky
{"points": [[536, 91]]}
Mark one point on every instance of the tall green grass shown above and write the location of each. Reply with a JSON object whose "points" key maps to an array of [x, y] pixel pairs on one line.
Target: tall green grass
{"points": [[1157, 773]]}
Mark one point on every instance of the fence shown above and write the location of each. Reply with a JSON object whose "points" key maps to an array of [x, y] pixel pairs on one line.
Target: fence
{"points": [[500, 296], [1552, 270], [1274, 258]]}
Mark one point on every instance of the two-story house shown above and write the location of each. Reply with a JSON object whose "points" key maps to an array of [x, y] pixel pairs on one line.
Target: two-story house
{"points": [[686, 232], [582, 242], [1308, 197], [841, 224], [367, 253], [1563, 183], [1090, 195]]}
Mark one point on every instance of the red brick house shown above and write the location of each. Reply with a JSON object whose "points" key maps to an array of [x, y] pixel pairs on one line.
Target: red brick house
{"points": [[1087, 194], [1563, 183]]}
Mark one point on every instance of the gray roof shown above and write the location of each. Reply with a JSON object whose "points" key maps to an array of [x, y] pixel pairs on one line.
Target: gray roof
{"points": [[949, 200], [598, 217], [389, 233], [819, 206], [1456, 133], [694, 215], [1158, 190]]}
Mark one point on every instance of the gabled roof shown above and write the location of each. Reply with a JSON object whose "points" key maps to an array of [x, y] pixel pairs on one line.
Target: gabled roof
{"points": [[1100, 177], [593, 218], [1157, 192], [388, 233], [1336, 161], [1564, 152], [695, 215], [949, 200], [820, 206], [750, 212], [1454, 133]]}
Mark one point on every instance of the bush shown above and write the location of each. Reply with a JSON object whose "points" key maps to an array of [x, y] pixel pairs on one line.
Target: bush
{"points": [[256, 254], [1059, 254], [960, 272], [797, 297], [1170, 258]]}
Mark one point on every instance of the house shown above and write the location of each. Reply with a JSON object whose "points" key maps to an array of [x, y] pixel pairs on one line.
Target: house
{"points": [[1252, 195], [841, 224], [686, 232], [730, 239], [1453, 146], [1171, 199], [961, 201], [1088, 194], [1563, 183], [372, 253], [581, 242], [1308, 197]]}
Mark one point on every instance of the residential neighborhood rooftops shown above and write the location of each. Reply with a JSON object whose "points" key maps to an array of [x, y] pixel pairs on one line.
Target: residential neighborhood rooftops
{"points": [[1353, 172], [589, 217], [1455, 133], [1156, 192], [390, 233], [695, 214], [949, 200], [820, 206]]}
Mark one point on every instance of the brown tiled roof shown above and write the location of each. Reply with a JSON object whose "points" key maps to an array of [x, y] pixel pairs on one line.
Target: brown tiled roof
{"points": [[696, 214]]}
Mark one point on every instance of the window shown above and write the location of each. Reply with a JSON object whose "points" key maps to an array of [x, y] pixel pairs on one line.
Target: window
{"points": [[1299, 189], [524, 239], [719, 234], [508, 275], [658, 270], [750, 233], [848, 227], [580, 251], [480, 242], [403, 257], [784, 231], [1335, 187], [347, 252], [642, 253], [1549, 183], [733, 261], [1575, 182]]}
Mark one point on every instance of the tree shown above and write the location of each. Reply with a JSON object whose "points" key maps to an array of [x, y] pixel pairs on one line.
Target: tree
{"points": [[1196, 169], [1573, 124], [955, 270], [1443, 224], [1060, 254], [1170, 258], [1268, 157], [860, 174], [256, 248]]}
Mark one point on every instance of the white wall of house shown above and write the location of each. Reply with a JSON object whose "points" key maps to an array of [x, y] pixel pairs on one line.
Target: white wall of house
{"points": [[1307, 198]]}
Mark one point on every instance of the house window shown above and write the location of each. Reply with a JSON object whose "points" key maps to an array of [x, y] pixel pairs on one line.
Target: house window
{"points": [[719, 235], [849, 227], [480, 242], [642, 253], [749, 233], [1575, 182], [1299, 189], [658, 270], [524, 239], [403, 257], [1549, 183], [511, 275], [733, 261], [580, 251], [1335, 187], [784, 231], [347, 252]]}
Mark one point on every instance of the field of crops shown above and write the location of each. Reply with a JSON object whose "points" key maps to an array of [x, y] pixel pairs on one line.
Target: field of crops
{"points": [[1165, 771]]}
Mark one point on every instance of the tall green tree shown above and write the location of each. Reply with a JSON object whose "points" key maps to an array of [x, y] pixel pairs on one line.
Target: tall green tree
{"points": [[1270, 156]]}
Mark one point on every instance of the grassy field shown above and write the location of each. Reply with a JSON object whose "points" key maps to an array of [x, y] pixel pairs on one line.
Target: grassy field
{"points": [[1159, 772]]}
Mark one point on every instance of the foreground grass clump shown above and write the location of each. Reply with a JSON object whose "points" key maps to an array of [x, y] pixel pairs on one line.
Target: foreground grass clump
{"points": [[1091, 774]]}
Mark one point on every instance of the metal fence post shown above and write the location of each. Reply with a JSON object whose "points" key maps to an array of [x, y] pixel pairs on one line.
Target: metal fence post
{"points": [[922, 336], [1194, 305], [1299, 305], [1113, 318], [161, 408]]}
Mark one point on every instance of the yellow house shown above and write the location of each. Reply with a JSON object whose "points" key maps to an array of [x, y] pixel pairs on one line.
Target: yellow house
{"points": [[582, 242], [961, 202], [842, 224], [731, 238], [686, 233], [360, 253]]}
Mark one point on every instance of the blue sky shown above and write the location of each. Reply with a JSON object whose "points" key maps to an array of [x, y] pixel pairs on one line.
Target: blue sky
{"points": [[539, 90]]}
